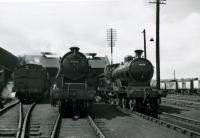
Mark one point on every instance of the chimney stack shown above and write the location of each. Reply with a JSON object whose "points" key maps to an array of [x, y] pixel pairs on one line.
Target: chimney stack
{"points": [[74, 49], [138, 53]]}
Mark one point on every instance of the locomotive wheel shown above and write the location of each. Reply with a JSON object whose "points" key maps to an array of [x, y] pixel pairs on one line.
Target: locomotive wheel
{"points": [[139, 104], [117, 101], [132, 104], [123, 103], [154, 105]]}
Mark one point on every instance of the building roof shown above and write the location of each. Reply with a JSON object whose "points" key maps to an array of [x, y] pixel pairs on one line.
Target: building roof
{"points": [[49, 62], [99, 62], [45, 61], [7, 60]]}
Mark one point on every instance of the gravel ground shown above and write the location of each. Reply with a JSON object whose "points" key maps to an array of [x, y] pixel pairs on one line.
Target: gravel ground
{"points": [[182, 111], [124, 126]]}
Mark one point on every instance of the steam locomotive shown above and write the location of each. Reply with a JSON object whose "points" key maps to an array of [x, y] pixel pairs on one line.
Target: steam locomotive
{"points": [[75, 84], [128, 84], [31, 83]]}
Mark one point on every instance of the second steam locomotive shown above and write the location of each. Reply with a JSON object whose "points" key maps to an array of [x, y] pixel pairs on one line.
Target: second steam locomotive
{"points": [[128, 84], [75, 85]]}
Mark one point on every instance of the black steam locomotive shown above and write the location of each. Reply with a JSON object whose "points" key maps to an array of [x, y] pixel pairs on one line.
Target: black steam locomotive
{"points": [[129, 84], [75, 84], [31, 83]]}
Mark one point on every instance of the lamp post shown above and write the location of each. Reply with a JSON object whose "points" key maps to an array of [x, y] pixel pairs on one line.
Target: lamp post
{"points": [[158, 2], [144, 34]]}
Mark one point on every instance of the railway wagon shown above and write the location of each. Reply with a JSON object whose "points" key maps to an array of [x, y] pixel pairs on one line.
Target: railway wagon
{"points": [[75, 84], [131, 84], [31, 83]]}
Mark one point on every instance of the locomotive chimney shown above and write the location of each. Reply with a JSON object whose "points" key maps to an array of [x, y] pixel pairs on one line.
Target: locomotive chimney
{"points": [[138, 53], [74, 50], [92, 54]]}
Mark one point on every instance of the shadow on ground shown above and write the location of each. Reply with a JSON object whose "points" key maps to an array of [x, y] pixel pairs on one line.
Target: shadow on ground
{"points": [[104, 110]]}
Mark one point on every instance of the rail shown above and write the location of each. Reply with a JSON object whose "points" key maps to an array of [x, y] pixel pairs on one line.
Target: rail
{"points": [[19, 128], [26, 119], [97, 130], [185, 119], [182, 103], [55, 130], [8, 107]]}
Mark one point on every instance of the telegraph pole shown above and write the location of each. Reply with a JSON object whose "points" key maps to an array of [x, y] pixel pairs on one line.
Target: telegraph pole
{"points": [[144, 34], [174, 74], [111, 38], [158, 2]]}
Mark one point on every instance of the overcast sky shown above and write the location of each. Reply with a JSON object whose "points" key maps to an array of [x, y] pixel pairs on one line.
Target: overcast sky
{"points": [[48, 25]]}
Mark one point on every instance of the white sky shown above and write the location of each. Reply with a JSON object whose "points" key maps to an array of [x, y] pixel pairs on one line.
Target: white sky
{"points": [[32, 26]]}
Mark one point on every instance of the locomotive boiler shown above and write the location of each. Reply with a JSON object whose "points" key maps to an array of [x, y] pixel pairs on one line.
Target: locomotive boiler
{"points": [[131, 84], [138, 71], [74, 88]]}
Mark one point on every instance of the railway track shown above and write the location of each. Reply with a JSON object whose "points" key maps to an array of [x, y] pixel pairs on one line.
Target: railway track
{"points": [[182, 103], [190, 124], [39, 121], [10, 121], [190, 98], [81, 128], [190, 127]]}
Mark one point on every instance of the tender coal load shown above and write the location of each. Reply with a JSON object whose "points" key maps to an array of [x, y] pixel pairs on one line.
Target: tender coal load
{"points": [[74, 65], [135, 69]]}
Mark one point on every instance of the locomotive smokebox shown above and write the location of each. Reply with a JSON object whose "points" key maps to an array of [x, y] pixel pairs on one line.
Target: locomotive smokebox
{"points": [[74, 65], [138, 53]]}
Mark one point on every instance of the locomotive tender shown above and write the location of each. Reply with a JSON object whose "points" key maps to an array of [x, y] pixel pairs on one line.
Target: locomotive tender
{"points": [[75, 84], [131, 83], [31, 83]]}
